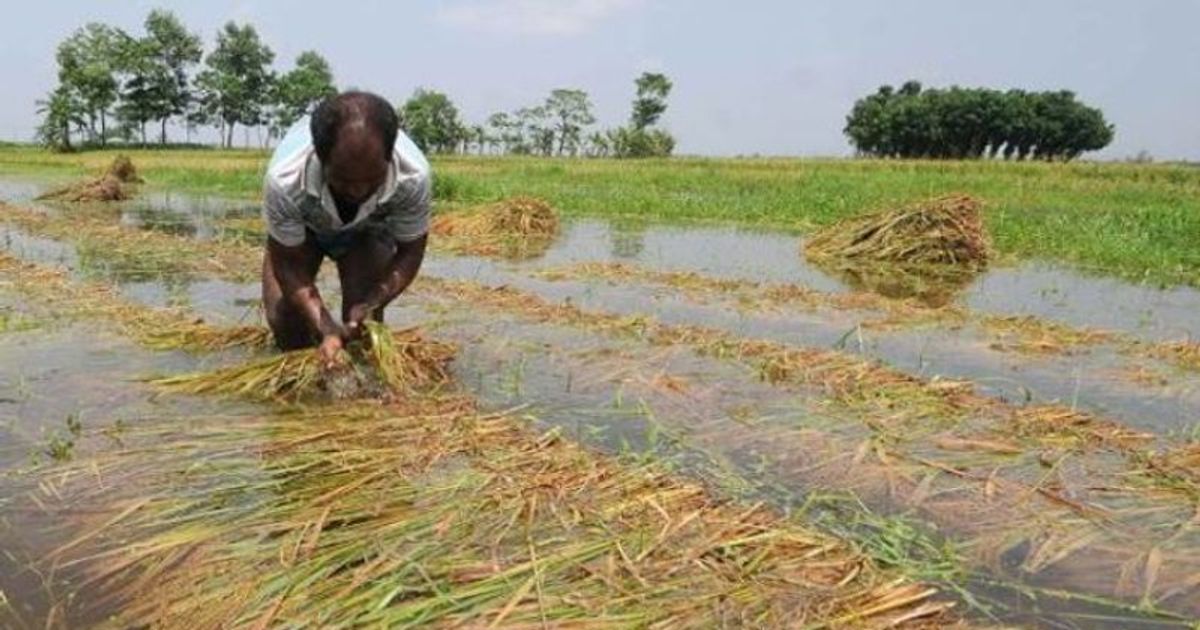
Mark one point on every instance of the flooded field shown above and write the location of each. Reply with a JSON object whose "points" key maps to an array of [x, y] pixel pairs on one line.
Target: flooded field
{"points": [[1026, 446]]}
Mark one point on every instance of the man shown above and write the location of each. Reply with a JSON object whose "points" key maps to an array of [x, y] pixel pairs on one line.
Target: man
{"points": [[349, 185]]}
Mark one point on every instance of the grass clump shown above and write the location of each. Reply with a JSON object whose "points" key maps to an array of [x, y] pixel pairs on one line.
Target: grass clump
{"points": [[385, 363]]}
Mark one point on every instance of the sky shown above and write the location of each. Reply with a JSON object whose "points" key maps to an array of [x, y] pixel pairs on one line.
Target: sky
{"points": [[756, 77]]}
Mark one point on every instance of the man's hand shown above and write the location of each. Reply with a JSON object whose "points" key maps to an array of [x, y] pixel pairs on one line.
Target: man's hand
{"points": [[355, 318], [330, 351]]}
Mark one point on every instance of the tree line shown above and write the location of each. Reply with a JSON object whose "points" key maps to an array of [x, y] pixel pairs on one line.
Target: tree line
{"points": [[560, 125], [113, 84], [968, 123]]}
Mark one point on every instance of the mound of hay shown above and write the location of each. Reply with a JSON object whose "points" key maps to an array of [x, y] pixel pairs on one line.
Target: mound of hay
{"points": [[516, 217], [944, 231], [122, 170], [384, 364], [114, 185]]}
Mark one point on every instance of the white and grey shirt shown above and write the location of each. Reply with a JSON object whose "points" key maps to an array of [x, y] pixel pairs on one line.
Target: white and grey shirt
{"points": [[295, 197]]}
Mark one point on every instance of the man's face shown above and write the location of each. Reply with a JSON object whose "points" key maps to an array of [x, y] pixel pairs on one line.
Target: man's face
{"points": [[357, 168]]}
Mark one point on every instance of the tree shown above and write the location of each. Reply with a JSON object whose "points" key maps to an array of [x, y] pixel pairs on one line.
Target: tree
{"points": [[235, 85], [167, 52], [144, 94], [652, 91], [969, 123], [87, 67], [639, 139], [506, 131], [597, 144], [430, 118], [60, 111], [572, 111], [300, 90], [537, 131]]}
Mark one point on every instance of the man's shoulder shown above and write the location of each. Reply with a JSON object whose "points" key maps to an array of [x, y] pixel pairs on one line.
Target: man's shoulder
{"points": [[285, 170], [410, 160]]}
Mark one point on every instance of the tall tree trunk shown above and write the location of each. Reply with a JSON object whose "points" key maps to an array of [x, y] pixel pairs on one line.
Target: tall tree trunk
{"points": [[143, 126], [103, 129], [162, 139]]}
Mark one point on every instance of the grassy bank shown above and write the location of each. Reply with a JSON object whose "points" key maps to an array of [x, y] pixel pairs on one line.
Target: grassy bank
{"points": [[1136, 221]]}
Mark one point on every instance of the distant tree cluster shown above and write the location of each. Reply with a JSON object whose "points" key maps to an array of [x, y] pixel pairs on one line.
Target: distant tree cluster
{"points": [[107, 75], [557, 126], [117, 86], [967, 123]]}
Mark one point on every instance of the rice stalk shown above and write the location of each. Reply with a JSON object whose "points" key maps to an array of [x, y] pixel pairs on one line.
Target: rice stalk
{"points": [[423, 513], [400, 363]]}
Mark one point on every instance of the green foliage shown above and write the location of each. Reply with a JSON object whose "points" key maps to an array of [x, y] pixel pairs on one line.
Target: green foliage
{"points": [[572, 111], [963, 123], [430, 118], [159, 70], [299, 90], [631, 142], [60, 111], [236, 84], [88, 61], [651, 102], [640, 139]]}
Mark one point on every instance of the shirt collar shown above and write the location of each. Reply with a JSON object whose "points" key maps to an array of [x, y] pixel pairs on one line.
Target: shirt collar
{"points": [[314, 185]]}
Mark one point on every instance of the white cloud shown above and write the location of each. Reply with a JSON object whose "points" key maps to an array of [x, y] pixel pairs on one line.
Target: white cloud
{"points": [[539, 17]]}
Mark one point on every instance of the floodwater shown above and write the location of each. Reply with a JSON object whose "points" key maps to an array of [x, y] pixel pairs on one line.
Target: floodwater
{"points": [[103, 373], [715, 419]]}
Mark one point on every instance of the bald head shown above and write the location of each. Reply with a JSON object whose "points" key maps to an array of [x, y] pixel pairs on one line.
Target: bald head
{"points": [[353, 113], [354, 135]]}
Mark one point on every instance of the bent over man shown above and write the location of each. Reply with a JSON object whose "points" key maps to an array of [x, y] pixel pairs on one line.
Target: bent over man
{"points": [[346, 184]]}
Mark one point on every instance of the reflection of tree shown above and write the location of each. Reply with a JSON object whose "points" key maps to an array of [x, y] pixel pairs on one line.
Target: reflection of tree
{"points": [[627, 240]]}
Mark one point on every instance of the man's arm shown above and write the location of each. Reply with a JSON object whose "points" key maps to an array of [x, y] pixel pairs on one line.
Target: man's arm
{"points": [[401, 271], [297, 280]]}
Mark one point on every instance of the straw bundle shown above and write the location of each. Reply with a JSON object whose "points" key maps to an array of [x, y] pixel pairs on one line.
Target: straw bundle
{"points": [[111, 186], [385, 363], [515, 217], [944, 231], [122, 170]]}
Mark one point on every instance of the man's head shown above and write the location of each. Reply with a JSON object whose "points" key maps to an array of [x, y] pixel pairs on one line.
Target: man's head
{"points": [[354, 134]]}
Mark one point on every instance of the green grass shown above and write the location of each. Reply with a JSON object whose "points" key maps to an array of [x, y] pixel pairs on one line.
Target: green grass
{"points": [[1136, 221]]}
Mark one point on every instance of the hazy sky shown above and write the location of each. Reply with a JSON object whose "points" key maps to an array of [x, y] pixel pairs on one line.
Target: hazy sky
{"points": [[768, 77]]}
